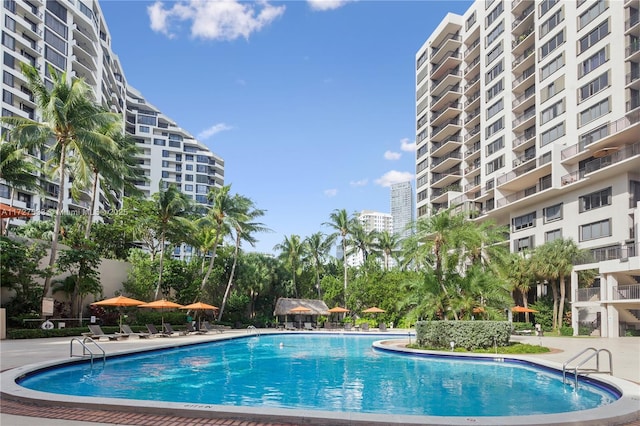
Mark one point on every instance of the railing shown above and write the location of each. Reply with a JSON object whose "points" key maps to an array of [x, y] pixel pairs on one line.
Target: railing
{"points": [[632, 21], [472, 98], [471, 65], [435, 115], [541, 161], [601, 254], [473, 114], [632, 48], [450, 36], [524, 117], [522, 37], [626, 292], [523, 16], [473, 46], [590, 294], [450, 54], [437, 145], [526, 95], [452, 88], [452, 71], [472, 133], [438, 160], [439, 176], [525, 74], [524, 137], [599, 163], [589, 353], [472, 150], [511, 198], [632, 76], [452, 122]]}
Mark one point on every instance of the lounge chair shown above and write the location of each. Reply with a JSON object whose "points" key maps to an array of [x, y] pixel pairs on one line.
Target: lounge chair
{"points": [[289, 326], [97, 333], [347, 326], [207, 326], [308, 326], [364, 326], [153, 331], [168, 329], [382, 327], [127, 331], [192, 330]]}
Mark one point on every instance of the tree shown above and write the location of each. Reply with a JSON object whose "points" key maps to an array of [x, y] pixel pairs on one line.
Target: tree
{"points": [[361, 240], [388, 243], [17, 171], [315, 249], [71, 119], [339, 221], [171, 208], [291, 252], [519, 274], [244, 227]]}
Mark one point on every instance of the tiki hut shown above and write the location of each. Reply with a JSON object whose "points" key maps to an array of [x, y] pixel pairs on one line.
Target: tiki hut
{"points": [[289, 307]]}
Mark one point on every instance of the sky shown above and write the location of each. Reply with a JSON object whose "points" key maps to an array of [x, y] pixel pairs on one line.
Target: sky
{"points": [[311, 104]]}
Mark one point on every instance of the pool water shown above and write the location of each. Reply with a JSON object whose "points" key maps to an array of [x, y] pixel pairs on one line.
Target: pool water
{"points": [[323, 372]]}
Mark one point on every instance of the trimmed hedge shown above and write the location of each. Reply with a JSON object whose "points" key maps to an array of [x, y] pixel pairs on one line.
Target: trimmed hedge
{"points": [[470, 335]]}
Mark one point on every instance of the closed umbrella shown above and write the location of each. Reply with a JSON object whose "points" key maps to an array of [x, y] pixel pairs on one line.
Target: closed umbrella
{"points": [[161, 304]]}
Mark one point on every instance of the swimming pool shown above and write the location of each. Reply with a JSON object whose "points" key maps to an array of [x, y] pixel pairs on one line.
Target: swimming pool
{"points": [[335, 373]]}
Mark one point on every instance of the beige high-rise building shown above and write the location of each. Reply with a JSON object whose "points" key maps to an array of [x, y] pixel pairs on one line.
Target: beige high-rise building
{"points": [[528, 113]]}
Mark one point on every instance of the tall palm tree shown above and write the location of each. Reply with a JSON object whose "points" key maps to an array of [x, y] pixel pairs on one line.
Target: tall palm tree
{"points": [[17, 171], [361, 240], [519, 274], [315, 249], [171, 206], [388, 244], [218, 219], [244, 227], [341, 224], [291, 252], [71, 119]]}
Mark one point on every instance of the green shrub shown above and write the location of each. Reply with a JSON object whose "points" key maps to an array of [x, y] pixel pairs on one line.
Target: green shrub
{"points": [[469, 335], [566, 331]]}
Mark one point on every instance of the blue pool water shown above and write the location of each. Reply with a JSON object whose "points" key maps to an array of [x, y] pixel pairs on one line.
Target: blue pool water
{"points": [[322, 372]]}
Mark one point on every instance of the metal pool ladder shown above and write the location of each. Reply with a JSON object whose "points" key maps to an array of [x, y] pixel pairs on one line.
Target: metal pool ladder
{"points": [[86, 350], [252, 329], [589, 353]]}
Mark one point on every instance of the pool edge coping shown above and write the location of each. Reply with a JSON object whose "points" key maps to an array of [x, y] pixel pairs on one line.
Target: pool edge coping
{"points": [[625, 409]]}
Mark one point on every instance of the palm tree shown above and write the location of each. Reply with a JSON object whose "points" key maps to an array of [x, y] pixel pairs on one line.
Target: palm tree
{"points": [[519, 274], [171, 206], [244, 228], [341, 224], [291, 251], [17, 171], [71, 118], [388, 244], [361, 240], [315, 249]]}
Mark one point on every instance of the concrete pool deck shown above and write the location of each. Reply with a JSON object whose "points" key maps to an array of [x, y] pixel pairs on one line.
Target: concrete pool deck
{"points": [[15, 354]]}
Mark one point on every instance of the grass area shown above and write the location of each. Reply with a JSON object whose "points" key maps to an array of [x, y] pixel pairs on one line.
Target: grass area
{"points": [[514, 348]]}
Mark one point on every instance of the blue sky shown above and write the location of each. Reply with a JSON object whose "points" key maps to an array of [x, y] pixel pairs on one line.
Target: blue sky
{"points": [[310, 103]]}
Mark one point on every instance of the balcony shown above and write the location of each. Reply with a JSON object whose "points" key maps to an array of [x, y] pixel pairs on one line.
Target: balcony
{"points": [[524, 100], [442, 195], [522, 160], [524, 120], [616, 134], [446, 129], [473, 67], [473, 84], [445, 179], [634, 102], [632, 79], [472, 100], [471, 169], [525, 77], [446, 162], [447, 113], [591, 294], [626, 292], [525, 193], [525, 139], [522, 41], [525, 60], [472, 117], [472, 134], [631, 23], [632, 50], [451, 60], [473, 149], [452, 77], [449, 95], [602, 254], [472, 48], [526, 175], [451, 42], [522, 18], [439, 149], [617, 155]]}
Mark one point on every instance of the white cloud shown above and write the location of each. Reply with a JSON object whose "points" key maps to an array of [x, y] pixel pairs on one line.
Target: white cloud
{"points": [[330, 192], [361, 182], [214, 20], [216, 128], [407, 145], [392, 177], [390, 155], [322, 5]]}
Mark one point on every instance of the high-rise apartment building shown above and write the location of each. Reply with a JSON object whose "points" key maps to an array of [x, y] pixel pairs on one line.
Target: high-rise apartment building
{"points": [[528, 113], [402, 208], [371, 221], [73, 37]]}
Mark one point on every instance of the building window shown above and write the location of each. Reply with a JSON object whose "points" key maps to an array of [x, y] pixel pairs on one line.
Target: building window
{"points": [[470, 21], [175, 144], [146, 119], [57, 9], [523, 222], [202, 189], [202, 179], [189, 167], [552, 22], [593, 62], [552, 134], [593, 37], [7, 97], [57, 42], [552, 67], [552, 45], [495, 89], [188, 187], [555, 234], [178, 157], [495, 108], [552, 112], [522, 244], [494, 53], [495, 146], [7, 78], [9, 23], [143, 129], [546, 5], [188, 157], [595, 200], [160, 142], [594, 112], [188, 178], [594, 86], [552, 213], [594, 230], [165, 163], [57, 26], [201, 168], [495, 127], [494, 72], [494, 14], [55, 58], [165, 153], [592, 13], [8, 41], [165, 174], [496, 164], [493, 35]]}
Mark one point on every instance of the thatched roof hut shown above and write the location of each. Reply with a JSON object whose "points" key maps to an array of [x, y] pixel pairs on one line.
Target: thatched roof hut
{"points": [[284, 306]]}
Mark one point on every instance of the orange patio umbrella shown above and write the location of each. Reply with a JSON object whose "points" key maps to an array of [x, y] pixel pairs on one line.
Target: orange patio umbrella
{"points": [[161, 304], [522, 309], [299, 310], [338, 310], [373, 310], [200, 306], [8, 212], [119, 301]]}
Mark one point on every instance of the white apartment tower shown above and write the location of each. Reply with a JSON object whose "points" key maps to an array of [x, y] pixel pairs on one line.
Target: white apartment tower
{"points": [[371, 221], [402, 208], [73, 36], [528, 113]]}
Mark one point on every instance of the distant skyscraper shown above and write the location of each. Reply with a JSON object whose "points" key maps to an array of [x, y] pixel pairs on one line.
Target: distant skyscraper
{"points": [[402, 208]]}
